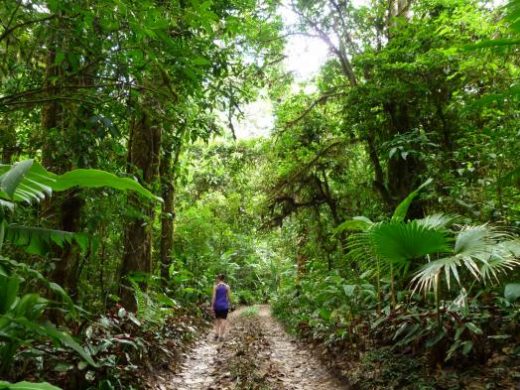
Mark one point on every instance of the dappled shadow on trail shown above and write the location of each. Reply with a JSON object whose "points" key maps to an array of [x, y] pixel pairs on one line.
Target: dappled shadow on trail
{"points": [[257, 354]]}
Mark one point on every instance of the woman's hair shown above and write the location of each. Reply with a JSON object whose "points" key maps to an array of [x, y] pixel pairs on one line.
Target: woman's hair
{"points": [[221, 277]]}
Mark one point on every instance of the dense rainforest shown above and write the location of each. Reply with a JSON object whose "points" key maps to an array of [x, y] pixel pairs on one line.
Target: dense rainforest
{"points": [[378, 216]]}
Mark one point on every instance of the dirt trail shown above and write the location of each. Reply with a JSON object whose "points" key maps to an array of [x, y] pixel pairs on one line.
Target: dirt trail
{"points": [[257, 355]]}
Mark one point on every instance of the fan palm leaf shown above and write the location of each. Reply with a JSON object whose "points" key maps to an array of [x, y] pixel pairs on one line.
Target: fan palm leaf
{"points": [[396, 244], [481, 250], [399, 243], [436, 221]]}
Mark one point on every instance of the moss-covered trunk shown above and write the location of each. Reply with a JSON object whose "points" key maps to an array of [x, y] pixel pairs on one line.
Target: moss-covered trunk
{"points": [[143, 162], [167, 211]]}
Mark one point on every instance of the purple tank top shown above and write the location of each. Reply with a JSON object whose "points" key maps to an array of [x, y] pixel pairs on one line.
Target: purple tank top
{"points": [[221, 299]]}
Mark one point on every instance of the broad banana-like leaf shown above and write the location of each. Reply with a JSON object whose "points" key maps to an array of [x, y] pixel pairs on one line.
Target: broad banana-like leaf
{"points": [[402, 209], [12, 178], [27, 386], [9, 286], [94, 178], [25, 181], [28, 181], [38, 241]]}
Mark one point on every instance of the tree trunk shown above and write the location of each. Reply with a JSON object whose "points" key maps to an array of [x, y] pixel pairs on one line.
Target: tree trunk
{"points": [[66, 144], [63, 211], [403, 174], [143, 161], [7, 140], [167, 211]]}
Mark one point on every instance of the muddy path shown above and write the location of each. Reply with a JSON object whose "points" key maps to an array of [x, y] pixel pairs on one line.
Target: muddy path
{"points": [[256, 355]]}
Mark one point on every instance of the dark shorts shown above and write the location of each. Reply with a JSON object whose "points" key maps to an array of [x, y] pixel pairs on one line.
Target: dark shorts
{"points": [[221, 314]]}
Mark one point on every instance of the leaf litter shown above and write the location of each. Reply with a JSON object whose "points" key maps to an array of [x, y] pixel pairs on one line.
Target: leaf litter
{"points": [[256, 355]]}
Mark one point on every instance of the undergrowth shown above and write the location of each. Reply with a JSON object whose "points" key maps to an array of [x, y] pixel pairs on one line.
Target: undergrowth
{"points": [[408, 345]]}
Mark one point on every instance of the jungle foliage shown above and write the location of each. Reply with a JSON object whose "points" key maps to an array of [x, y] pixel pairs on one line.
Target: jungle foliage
{"points": [[379, 218], [395, 184]]}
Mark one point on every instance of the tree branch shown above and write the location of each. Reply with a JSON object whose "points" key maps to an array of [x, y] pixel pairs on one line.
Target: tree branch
{"points": [[27, 23], [321, 99]]}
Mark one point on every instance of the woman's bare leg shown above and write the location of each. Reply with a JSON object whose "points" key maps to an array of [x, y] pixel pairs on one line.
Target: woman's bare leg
{"points": [[223, 327], [217, 327]]}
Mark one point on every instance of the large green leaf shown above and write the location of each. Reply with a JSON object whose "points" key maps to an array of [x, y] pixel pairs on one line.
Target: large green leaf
{"points": [[27, 386], [93, 178], [38, 241], [395, 244], [28, 181], [512, 291], [11, 179], [399, 242], [33, 185], [24, 270], [402, 209], [67, 340], [355, 224], [9, 286]]}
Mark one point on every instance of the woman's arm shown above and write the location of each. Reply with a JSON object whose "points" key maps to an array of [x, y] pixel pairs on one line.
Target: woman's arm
{"points": [[229, 295], [213, 297]]}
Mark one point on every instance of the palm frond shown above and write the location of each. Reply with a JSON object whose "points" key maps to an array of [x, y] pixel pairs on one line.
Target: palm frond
{"points": [[436, 221], [361, 250], [477, 241], [402, 209], [481, 250], [398, 243], [428, 276], [395, 244], [504, 257]]}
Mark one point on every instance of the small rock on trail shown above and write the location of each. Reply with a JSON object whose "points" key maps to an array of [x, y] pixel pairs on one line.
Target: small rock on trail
{"points": [[257, 355]]}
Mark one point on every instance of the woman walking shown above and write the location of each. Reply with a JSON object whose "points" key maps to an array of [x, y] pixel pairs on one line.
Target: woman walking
{"points": [[220, 303]]}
